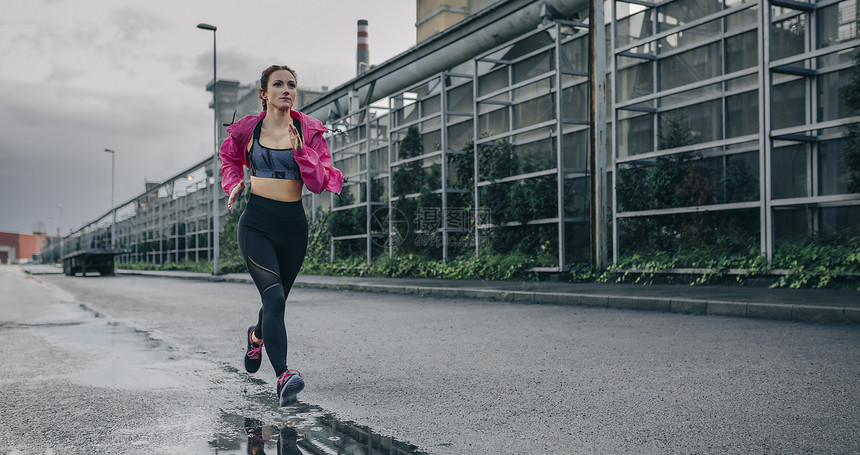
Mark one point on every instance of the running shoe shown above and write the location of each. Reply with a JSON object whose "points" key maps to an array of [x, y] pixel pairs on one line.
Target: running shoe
{"points": [[253, 352], [289, 385]]}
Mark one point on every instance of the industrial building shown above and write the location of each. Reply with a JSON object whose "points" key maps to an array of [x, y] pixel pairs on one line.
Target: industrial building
{"points": [[516, 126]]}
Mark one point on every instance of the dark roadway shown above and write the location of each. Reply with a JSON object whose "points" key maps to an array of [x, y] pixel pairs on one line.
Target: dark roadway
{"points": [[136, 364]]}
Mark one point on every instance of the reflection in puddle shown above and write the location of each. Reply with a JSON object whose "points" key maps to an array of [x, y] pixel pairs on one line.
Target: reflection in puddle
{"points": [[308, 430]]}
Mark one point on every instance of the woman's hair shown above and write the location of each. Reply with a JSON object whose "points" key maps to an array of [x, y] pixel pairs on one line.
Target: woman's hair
{"points": [[267, 73]]}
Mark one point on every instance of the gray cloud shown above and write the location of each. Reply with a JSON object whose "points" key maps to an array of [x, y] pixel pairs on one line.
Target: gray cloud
{"points": [[78, 77]]}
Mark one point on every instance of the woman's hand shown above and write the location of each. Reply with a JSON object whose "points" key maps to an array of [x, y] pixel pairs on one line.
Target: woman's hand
{"points": [[235, 193], [295, 138]]}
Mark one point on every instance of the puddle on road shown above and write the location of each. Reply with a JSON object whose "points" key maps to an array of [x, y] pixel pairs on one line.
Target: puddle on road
{"points": [[127, 358], [122, 357], [119, 361], [308, 430]]}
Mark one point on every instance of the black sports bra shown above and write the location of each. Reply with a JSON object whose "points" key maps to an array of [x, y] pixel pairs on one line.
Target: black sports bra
{"points": [[273, 163]]}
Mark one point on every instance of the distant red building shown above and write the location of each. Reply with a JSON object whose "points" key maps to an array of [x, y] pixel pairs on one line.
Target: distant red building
{"points": [[16, 247]]}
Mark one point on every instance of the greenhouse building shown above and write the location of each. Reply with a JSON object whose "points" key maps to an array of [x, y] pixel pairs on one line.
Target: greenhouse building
{"points": [[719, 127]]}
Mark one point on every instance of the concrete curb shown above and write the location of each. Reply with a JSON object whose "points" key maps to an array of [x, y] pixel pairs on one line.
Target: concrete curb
{"points": [[797, 313]]}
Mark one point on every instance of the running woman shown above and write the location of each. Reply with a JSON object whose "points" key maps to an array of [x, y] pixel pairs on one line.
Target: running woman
{"points": [[285, 151]]}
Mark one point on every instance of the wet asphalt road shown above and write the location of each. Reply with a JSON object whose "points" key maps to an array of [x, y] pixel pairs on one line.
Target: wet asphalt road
{"points": [[132, 364]]}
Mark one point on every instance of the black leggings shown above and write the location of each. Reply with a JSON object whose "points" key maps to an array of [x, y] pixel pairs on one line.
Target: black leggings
{"points": [[273, 238]]}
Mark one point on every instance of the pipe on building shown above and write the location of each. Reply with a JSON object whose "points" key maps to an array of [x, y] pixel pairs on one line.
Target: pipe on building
{"points": [[490, 27]]}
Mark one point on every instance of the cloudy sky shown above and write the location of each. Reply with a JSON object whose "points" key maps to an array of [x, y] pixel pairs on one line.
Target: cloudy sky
{"points": [[79, 76]]}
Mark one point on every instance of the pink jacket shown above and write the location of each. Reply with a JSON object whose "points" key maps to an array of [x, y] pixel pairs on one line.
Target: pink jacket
{"points": [[314, 159]]}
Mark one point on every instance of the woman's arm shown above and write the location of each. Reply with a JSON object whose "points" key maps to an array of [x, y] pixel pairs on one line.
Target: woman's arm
{"points": [[318, 173], [231, 165]]}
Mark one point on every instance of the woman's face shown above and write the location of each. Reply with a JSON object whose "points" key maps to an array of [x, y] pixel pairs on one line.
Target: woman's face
{"points": [[281, 92]]}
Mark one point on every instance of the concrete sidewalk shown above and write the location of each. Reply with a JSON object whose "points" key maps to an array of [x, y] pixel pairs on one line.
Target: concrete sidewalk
{"points": [[811, 305]]}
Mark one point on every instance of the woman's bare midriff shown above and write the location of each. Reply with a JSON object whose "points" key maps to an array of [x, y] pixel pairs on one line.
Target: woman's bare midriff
{"points": [[277, 189]]}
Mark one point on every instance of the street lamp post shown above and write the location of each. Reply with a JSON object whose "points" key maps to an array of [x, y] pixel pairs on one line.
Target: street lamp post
{"points": [[60, 228], [216, 250], [112, 205]]}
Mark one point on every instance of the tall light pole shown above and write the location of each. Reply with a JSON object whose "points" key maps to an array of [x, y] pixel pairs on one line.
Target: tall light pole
{"points": [[112, 205], [216, 249], [60, 228]]}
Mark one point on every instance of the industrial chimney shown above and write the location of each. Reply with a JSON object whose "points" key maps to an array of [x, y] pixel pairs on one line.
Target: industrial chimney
{"points": [[362, 54]]}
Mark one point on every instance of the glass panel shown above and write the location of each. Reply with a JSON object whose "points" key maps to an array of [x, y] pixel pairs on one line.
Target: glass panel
{"points": [[529, 45], [690, 36], [490, 104], [379, 127], [742, 51], [496, 160], [460, 98], [837, 58], [680, 12], [533, 66], [491, 82], [460, 134], [574, 103], [574, 55], [742, 19], [575, 151], [837, 23], [461, 170], [637, 26], [540, 87], [789, 101], [539, 242], [845, 220], [632, 112], [742, 82], [622, 9], [636, 135], [790, 224], [740, 182], [577, 237], [534, 111], [789, 172], [406, 178], [431, 106], [636, 81], [742, 114], [379, 191], [691, 66], [691, 125], [432, 141], [711, 235], [833, 176], [830, 105], [407, 113], [690, 95], [787, 37], [379, 159], [536, 156], [433, 173], [493, 122], [431, 124]]}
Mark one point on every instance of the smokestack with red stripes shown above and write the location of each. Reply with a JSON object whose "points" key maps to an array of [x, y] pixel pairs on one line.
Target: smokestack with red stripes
{"points": [[362, 54]]}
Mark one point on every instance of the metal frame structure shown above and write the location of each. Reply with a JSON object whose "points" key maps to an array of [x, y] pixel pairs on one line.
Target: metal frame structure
{"points": [[649, 48], [170, 222], [790, 151], [504, 99]]}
